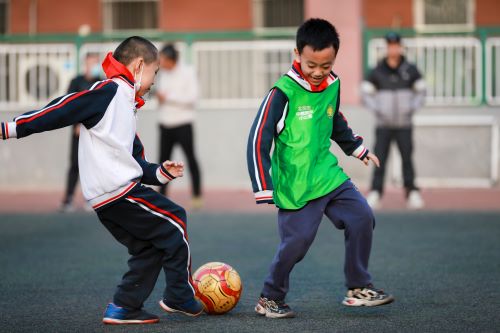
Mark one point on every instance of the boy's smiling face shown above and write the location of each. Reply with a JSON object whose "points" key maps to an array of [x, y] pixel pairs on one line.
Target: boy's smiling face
{"points": [[316, 65]]}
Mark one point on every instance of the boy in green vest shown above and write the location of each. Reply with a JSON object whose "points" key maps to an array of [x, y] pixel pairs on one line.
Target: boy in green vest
{"points": [[301, 115]]}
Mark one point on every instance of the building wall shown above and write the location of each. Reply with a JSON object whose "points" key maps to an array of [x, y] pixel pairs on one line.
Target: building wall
{"points": [[76, 13], [206, 15], [388, 13], [19, 16], [55, 16], [487, 13], [399, 13], [222, 157], [348, 64]]}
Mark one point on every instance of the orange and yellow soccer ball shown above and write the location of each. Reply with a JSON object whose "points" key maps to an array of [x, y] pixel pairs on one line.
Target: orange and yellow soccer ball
{"points": [[218, 286]]}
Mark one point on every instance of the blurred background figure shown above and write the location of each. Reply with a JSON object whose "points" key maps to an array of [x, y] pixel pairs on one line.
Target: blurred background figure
{"points": [[393, 90], [91, 74], [177, 93]]}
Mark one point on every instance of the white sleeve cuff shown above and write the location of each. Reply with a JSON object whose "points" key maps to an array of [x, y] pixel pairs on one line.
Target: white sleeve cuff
{"points": [[163, 177], [9, 130], [359, 152], [264, 195]]}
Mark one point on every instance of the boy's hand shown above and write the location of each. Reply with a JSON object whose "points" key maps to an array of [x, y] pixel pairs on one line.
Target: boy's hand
{"points": [[371, 157], [77, 130], [176, 169]]}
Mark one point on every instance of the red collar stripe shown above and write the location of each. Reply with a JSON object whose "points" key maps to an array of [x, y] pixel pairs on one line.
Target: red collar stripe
{"points": [[322, 86]]}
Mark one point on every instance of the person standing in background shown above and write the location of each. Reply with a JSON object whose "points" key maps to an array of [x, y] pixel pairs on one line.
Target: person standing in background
{"points": [[394, 90], [91, 74], [177, 93]]}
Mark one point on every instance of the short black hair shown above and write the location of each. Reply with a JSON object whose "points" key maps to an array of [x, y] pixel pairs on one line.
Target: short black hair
{"points": [[170, 52], [134, 47], [318, 34]]}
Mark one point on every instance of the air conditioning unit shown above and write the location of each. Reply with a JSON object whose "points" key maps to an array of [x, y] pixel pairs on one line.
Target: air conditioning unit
{"points": [[42, 78]]}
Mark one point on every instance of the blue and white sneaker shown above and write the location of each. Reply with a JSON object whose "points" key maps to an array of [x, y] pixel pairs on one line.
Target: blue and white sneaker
{"points": [[115, 315], [190, 308]]}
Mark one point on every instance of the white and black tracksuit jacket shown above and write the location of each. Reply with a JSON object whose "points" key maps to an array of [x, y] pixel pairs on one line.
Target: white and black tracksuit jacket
{"points": [[110, 154]]}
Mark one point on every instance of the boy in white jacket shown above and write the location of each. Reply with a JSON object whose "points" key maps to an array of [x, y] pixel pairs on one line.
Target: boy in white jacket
{"points": [[112, 167]]}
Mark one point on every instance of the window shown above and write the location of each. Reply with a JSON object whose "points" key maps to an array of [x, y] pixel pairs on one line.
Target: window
{"points": [[130, 14], [4, 17], [444, 15], [278, 13]]}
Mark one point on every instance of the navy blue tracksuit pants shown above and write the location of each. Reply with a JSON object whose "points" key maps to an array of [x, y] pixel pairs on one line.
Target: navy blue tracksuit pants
{"points": [[153, 229], [347, 209]]}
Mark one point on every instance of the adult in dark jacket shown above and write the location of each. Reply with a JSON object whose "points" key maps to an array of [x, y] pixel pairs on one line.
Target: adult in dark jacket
{"points": [[91, 74], [394, 90]]}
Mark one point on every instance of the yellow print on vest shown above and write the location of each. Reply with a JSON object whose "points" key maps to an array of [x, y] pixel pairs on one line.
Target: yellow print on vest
{"points": [[329, 111]]}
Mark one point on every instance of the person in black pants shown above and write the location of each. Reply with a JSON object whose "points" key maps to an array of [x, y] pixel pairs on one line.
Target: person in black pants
{"points": [[394, 90], [91, 74], [404, 141], [177, 93]]}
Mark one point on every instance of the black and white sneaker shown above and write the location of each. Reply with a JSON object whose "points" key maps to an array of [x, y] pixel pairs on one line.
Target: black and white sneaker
{"points": [[367, 296], [273, 309]]}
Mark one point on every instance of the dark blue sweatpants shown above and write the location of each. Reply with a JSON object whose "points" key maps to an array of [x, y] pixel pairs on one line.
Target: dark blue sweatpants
{"points": [[347, 209], [153, 229]]}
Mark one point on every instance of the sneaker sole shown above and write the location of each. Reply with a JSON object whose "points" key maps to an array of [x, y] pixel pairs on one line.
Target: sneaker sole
{"points": [[279, 316], [170, 310], [261, 311], [112, 321], [363, 302]]}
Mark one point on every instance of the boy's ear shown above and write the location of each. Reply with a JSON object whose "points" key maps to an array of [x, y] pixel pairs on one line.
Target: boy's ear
{"points": [[297, 55], [141, 62], [137, 64]]}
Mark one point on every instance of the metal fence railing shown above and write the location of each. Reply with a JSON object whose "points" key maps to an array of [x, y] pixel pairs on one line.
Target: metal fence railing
{"points": [[492, 70], [238, 73], [231, 74], [451, 66]]}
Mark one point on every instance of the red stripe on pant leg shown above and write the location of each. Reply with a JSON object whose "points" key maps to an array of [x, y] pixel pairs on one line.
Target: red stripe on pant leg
{"points": [[161, 211], [178, 220]]}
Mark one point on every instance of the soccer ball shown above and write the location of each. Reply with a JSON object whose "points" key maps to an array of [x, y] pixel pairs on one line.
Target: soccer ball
{"points": [[218, 286]]}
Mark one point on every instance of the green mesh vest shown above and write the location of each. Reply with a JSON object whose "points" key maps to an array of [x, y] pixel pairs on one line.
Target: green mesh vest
{"points": [[303, 168]]}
